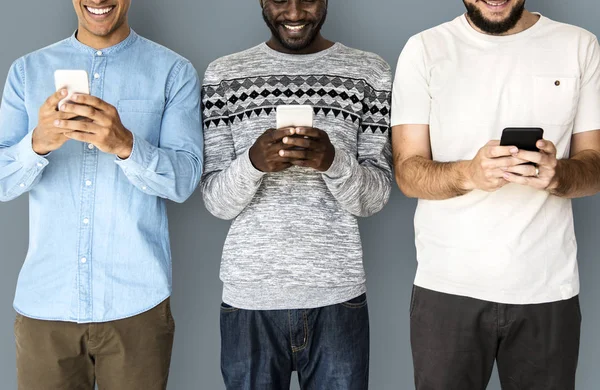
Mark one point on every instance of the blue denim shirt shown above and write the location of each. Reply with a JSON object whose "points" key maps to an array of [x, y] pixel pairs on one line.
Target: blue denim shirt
{"points": [[99, 244]]}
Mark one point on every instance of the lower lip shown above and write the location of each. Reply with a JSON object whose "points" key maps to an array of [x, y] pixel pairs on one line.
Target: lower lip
{"points": [[496, 8], [100, 17]]}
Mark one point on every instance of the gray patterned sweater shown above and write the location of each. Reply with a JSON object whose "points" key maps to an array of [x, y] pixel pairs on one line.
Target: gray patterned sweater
{"points": [[294, 242]]}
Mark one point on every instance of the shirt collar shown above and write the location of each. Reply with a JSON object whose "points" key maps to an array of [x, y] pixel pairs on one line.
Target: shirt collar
{"points": [[132, 37]]}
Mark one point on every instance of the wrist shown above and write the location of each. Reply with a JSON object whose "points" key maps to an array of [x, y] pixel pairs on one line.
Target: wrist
{"points": [[466, 182], [127, 147], [37, 148]]}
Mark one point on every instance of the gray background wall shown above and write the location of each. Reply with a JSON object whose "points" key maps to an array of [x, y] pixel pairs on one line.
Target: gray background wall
{"points": [[203, 30]]}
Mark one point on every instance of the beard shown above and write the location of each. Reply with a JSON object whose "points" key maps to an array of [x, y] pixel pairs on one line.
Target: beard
{"points": [[492, 27], [295, 45]]}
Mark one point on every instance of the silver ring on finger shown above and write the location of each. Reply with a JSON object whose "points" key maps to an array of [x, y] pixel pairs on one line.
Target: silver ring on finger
{"points": [[537, 171]]}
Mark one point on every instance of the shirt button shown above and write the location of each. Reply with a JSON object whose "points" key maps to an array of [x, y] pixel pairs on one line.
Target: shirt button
{"points": [[90, 146], [144, 188], [88, 183], [86, 221], [96, 75], [83, 260], [22, 185], [98, 53], [40, 165]]}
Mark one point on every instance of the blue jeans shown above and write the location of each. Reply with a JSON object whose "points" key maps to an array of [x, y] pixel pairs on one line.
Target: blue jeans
{"points": [[328, 346]]}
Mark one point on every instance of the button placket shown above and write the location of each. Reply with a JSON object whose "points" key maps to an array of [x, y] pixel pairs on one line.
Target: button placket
{"points": [[90, 167]]}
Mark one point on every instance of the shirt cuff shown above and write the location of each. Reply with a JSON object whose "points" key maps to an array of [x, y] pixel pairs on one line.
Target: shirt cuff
{"points": [[341, 165], [140, 155], [248, 170], [27, 156]]}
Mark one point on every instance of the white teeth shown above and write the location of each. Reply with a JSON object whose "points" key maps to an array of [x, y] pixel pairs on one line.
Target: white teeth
{"points": [[294, 28], [495, 4], [99, 11]]}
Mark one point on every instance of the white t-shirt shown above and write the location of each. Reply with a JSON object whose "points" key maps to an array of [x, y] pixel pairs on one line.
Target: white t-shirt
{"points": [[516, 245]]}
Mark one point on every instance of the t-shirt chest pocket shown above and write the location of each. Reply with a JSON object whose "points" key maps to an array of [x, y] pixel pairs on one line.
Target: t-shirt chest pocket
{"points": [[555, 100], [142, 117]]}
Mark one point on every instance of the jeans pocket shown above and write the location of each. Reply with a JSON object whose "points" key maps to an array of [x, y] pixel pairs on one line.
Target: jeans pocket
{"points": [[225, 308], [356, 303]]}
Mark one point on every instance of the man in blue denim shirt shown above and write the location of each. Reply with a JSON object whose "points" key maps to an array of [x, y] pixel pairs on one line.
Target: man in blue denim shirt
{"points": [[93, 292]]}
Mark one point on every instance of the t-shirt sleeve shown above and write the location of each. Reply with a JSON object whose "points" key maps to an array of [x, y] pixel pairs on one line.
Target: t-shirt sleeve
{"points": [[588, 109], [411, 101]]}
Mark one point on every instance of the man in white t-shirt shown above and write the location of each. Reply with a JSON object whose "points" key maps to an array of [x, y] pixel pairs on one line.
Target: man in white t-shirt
{"points": [[497, 276]]}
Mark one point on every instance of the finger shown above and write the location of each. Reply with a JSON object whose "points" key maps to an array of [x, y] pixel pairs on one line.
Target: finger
{"points": [[523, 170], [296, 154], [505, 162], [51, 103], [306, 143], [92, 101], [523, 180], [311, 132], [276, 135], [84, 126], [79, 136], [547, 147], [500, 151], [534, 157], [83, 110]]}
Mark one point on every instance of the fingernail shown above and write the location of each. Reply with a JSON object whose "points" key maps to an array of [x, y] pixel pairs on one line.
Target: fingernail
{"points": [[506, 175], [56, 123], [63, 92], [281, 153], [292, 131], [541, 144], [75, 97], [63, 107], [504, 168], [285, 140], [514, 150]]}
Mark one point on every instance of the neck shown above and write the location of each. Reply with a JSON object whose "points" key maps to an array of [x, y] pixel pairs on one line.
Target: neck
{"points": [[319, 44], [527, 21], [102, 42]]}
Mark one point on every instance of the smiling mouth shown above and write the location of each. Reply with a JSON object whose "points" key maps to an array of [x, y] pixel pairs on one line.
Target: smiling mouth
{"points": [[99, 11]]}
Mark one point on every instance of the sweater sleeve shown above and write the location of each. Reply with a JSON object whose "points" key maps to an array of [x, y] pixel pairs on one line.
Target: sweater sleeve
{"points": [[230, 181], [362, 183]]}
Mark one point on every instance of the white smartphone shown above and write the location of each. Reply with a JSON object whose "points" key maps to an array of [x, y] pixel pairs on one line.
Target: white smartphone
{"points": [[75, 81], [294, 116]]}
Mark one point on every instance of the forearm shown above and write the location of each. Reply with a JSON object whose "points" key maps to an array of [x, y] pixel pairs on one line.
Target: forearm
{"points": [[20, 169], [362, 190], [578, 176], [422, 178], [228, 191]]}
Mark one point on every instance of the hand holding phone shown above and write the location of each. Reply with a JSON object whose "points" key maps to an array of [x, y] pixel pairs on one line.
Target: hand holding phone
{"points": [[47, 137]]}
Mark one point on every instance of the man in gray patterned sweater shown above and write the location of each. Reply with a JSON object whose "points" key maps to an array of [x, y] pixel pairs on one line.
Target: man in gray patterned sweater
{"points": [[294, 284]]}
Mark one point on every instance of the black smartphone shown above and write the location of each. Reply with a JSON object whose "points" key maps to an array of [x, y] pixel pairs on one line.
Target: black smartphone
{"points": [[524, 138]]}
